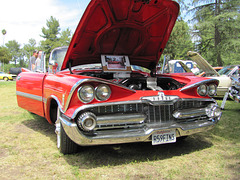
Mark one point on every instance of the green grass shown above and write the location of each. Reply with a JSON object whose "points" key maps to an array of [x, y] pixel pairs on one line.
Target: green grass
{"points": [[28, 151]]}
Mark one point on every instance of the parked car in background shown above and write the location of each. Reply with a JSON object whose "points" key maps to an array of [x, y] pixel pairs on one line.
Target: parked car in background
{"points": [[4, 76], [203, 74], [15, 71], [217, 68], [233, 91], [93, 102], [223, 75], [178, 66], [231, 70]]}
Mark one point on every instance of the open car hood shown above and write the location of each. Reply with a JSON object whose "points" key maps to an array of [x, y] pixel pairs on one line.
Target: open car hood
{"points": [[139, 29], [202, 63]]}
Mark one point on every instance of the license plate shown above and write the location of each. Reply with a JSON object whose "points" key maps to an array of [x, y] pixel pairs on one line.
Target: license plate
{"points": [[163, 137]]}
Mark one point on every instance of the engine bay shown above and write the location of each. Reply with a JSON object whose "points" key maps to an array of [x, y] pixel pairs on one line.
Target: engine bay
{"points": [[137, 81]]}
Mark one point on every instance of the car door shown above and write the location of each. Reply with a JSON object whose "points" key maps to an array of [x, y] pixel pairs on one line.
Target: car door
{"points": [[29, 89]]}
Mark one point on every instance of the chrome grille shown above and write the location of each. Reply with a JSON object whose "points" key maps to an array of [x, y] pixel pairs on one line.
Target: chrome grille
{"points": [[155, 114], [120, 108], [179, 105], [159, 113]]}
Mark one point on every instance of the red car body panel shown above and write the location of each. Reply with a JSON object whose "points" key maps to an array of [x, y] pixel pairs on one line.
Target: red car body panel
{"points": [[60, 84], [139, 30], [31, 83]]}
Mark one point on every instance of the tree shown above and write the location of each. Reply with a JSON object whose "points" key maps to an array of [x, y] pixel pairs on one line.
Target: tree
{"points": [[4, 55], [217, 30], [53, 37], [179, 42], [65, 37], [14, 49], [50, 34], [28, 49], [4, 32]]}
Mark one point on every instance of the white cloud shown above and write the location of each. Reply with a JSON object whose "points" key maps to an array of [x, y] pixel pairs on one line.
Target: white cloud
{"points": [[24, 19]]}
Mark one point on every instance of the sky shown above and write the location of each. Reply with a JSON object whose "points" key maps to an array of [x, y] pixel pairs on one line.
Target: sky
{"points": [[24, 19]]}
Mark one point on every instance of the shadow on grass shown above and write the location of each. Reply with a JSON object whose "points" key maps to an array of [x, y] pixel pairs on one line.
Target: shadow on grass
{"points": [[40, 124], [112, 155]]}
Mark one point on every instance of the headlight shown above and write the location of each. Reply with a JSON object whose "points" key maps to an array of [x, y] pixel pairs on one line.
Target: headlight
{"points": [[202, 90], [103, 92], [86, 93], [212, 90]]}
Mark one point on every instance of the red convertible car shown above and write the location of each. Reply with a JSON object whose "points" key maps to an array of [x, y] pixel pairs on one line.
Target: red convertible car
{"points": [[93, 103]]}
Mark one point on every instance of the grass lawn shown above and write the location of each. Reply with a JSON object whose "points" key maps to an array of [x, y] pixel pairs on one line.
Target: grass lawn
{"points": [[28, 151]]}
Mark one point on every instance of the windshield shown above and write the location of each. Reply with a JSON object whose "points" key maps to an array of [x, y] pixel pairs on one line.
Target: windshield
{"points": [[58, 56], [178, 66], [226, 70]]}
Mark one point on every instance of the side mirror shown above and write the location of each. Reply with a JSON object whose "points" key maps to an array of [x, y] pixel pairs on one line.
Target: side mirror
{"points": [[53, 66]]}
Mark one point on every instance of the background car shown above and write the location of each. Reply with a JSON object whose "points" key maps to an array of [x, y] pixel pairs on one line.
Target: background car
{"points": [[177, 66], [223, 75], [15, 71], [4, 76], [231, 70], [203, 74], [233, 91]]}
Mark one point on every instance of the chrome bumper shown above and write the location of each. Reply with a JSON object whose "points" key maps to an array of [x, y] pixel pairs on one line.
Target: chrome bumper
{"points": [[234, 94], [137, 121], [132, 135]]}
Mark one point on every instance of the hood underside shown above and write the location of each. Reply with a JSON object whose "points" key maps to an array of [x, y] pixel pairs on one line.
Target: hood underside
{"points": [[202, 63], [139, 29]]}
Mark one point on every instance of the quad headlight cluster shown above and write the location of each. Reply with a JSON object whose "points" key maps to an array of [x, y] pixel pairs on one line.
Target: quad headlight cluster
{"points": [[209, 90], [87, 93]]}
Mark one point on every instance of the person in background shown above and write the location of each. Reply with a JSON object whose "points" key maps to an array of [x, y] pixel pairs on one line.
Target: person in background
{"points": [[32, 60], [195, 69], [38, 62]]}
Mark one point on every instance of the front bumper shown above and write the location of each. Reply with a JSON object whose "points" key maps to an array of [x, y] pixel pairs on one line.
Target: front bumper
{"points": [[130, 136], [188, 123]]}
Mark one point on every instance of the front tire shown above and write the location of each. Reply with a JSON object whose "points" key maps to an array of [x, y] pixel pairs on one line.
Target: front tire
{"points": [[5, 78], [65, 144]]}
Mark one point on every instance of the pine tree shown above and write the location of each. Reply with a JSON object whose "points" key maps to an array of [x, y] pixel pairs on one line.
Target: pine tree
{"points": [[217, 30]]}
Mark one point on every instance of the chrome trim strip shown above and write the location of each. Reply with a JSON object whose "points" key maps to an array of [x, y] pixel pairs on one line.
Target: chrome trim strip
{"points": [[198, 83], [30, 96], [77, 84], [120, 119], [189, 113], [56, 99]]}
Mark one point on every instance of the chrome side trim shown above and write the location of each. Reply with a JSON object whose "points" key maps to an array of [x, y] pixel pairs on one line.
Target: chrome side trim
{"points": [[120, 119], [56, 99], [199, 83], [189, 113], [30, 96], [77, 84]]}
